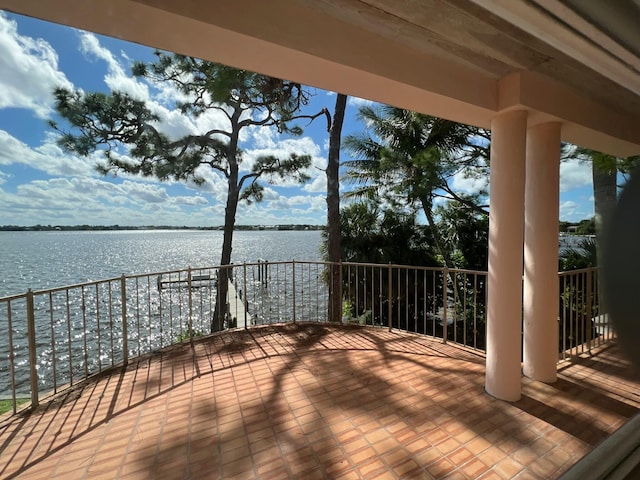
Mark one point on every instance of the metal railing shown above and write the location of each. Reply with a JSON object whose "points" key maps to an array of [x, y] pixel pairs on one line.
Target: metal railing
{"points": [[438, 302], [583, 321], [52, 339]]}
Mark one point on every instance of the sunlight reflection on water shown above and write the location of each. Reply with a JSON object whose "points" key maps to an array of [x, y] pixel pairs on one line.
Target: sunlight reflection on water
{"points": [[40, 260]]}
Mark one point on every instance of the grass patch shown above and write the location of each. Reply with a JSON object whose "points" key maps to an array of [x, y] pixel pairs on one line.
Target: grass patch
{"points": [[7, 405], [187, 334]]}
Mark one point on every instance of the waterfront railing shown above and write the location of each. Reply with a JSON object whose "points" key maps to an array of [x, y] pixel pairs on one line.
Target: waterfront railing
{"points": [[583, 321], [53, 339]]}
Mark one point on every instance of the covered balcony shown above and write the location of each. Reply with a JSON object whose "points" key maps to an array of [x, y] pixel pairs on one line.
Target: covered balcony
{"points": [[119, 381], [318, 401], [366, 401]]}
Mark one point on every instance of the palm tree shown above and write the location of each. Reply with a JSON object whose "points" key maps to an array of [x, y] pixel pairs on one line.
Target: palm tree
{"points": [[604, 172], [409, 159]]}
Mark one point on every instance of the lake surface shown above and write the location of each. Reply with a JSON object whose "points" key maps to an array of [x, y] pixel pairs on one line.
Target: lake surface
{"points": [[40, 260]]}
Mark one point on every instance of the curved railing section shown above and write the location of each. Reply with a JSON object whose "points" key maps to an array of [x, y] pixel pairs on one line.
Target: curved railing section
{"points": [[53, 339], [583, 320]]}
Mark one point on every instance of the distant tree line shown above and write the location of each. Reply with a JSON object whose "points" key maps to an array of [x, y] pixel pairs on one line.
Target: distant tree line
{"points": [[45, 228], [583, 227]]}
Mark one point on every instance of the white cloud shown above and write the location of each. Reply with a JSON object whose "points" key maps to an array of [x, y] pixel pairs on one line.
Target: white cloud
{"points": [[29, 69], [469, 185], [210, 120], [74, 193], [573, 211], [283, 148], [81, 200], [215, 184], [116, 79], [185, 200], [574, 174], [145, 193], [319, 184], [360, 102], [263, 137], [161, 97], [48, 157], [299, 203]]}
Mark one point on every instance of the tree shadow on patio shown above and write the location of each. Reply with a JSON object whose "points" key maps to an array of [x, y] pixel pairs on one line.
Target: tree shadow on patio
{"points": [[298, 400], [340, 399]]}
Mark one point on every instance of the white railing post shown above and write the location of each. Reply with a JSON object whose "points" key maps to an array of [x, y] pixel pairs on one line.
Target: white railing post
{"points": [[589, 312], [445, 302], [340, 290], [189, 286], [33, 358], [244, 300], [125, 332], [293, 281], [390, 295]]}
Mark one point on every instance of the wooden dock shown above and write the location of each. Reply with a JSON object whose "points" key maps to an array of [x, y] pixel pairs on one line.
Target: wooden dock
{"points": [[236, 309], [177, 280]]}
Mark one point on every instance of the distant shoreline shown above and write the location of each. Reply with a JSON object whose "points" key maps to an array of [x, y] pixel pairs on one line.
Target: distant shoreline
{"points": [[67, 228]]}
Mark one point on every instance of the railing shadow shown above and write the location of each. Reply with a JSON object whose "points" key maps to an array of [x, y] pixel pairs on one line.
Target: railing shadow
{"points": [[326, 366]]}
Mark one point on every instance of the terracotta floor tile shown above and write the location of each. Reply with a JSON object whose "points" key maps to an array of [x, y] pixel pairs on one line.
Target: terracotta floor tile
{"points": [[373, 467], [456, 475], [447, 446], [508, 468], [460, 456], [474, 468], [525, 456], [490, 475], [363, 455], [317, 401], [440, 468]]}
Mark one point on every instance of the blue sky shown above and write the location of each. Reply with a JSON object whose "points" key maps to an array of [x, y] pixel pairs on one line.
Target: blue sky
{"points": [[41, 184]]}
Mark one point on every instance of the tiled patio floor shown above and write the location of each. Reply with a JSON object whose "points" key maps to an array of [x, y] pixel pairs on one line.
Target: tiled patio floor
{"points": [[323, 402]]}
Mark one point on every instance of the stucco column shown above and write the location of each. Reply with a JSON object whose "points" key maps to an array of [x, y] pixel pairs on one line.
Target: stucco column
{"points": [[540, 296], [506, 224]]}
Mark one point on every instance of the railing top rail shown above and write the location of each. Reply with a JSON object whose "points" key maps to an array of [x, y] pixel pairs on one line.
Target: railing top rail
{"points": [[90, 283], [10, 298], [578, 271], [262, 262], [412, 267]]}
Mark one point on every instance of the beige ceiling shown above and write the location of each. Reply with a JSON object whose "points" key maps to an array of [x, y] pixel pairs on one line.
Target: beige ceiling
{"points": [[574, 61]]}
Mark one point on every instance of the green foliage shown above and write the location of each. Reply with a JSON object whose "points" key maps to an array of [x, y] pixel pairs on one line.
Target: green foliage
{"points": [[586, 227], [187, 334], [410, 157], [109, 122], [465, 234], [381, 235], [372, 234], [7, 405], [409, 160], [584, 255], [579, 306]]}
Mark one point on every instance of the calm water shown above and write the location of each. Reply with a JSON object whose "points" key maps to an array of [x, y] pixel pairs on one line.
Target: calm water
{"points": [[79, 332], [39, 260]]}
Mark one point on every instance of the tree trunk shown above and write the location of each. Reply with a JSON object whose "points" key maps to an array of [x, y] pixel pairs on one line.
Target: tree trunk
{"points": [[445, 254], [333, 209], [437, 238], [224, 274], [604, 174], [604, 195], [233, 195]]}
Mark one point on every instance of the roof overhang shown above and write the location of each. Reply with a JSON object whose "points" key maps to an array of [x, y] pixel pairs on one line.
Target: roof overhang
{"points": [[465, 60]]}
